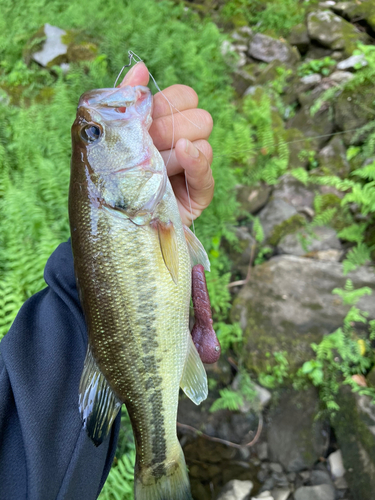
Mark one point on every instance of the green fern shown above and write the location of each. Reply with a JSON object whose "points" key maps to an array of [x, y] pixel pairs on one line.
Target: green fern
{"points": [[357, 256], [349, 295], [228, 400]]}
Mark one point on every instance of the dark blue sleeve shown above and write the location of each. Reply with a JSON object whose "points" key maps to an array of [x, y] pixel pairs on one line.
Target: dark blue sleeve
{"points": [[45, 454]]}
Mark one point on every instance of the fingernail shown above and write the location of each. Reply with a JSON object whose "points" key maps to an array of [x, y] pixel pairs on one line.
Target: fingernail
{"points": [[191, 150], [128, 75]]}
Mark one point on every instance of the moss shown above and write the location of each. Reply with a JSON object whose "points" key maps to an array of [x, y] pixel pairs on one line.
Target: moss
{"points": [[289, 226], [357, 443]]}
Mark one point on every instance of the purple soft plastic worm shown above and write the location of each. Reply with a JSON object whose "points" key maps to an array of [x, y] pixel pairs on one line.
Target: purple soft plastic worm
{"points": [[204, 336]]}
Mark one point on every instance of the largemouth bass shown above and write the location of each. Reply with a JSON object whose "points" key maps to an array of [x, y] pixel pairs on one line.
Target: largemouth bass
{"points": [[133, 259]]}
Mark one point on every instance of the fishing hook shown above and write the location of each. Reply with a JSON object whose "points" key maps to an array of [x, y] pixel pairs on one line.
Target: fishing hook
{"points": [[131, 57]]}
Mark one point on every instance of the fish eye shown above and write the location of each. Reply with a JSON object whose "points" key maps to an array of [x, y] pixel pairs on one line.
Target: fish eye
{"points": [[90, 133]]}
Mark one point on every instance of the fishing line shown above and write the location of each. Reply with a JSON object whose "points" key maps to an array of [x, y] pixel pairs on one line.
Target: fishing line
{"points": [[293, 142], [133, 56]]}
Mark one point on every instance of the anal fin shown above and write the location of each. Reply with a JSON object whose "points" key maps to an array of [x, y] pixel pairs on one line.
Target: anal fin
{"points": [[194, 378], [197, 252], [98, 404]]}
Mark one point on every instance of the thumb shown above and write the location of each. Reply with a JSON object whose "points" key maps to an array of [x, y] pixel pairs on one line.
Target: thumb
{"points": [[137, 75]]}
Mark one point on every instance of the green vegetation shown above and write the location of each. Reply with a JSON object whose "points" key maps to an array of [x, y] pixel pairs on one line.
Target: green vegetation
{"points": [[250, 145]]}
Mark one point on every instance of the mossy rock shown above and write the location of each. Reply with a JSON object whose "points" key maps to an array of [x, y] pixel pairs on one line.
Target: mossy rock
{"points": [[298, 147], [353, 425], [296, 438], [353, 109], [333, 32], [287, 304], [289, 226]]}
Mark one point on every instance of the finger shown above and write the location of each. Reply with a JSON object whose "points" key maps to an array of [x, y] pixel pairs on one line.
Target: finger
{"points": [[181, 96], [174, 167], [198, 173], [137, 75], [192, 124], [199, 178]]}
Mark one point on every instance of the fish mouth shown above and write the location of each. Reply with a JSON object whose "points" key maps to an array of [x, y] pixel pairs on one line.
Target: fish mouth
{"points": [[123, 97]]}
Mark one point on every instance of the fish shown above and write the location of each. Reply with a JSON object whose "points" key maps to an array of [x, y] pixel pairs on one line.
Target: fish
{"points": [[133, 260]]}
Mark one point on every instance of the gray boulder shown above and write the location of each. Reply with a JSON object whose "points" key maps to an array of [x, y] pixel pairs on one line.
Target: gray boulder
{"points": [[265, 48], [315, 127], [321, 492], [352, 62], [53, 48], [332, 158], [354, 10], [299, 37], [302, 242], [352, 110], [236, 490], [354, 426], [292, 191], [252, 198], [333, 31], [275, 213], [287, 304], [295, 438]]}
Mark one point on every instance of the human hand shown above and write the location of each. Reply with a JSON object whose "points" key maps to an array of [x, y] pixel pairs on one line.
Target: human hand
{"points": [[192, 153]]}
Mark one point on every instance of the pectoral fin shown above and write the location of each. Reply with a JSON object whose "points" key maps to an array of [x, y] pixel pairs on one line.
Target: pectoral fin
{"points": [[97, 402], [197, 253], [169, 248], [194, 378]]}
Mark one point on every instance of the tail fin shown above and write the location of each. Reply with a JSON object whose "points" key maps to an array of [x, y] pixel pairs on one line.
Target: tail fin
{"points": [[163, 482]]}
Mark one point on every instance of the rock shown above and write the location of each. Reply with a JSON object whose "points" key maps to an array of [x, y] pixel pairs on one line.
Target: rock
{"points": [[263, 396], [262, 450], [308, 99], [275, 467], [317, 52], [352, 62], [303, 242], [332, 158], [321, 492], [336, 464], [267, 49], [265, 495], [354, 426], [281, 493], [287, 304], [329, 255], [242, 252], [298, 144], [358, 10], [242, 80], [53, 47], [313, 79], [236, 490], [316, 127], [60, 48], [295, 438], [299, 37], [252, 198], [276, 212], [341, 483], [333, 31], [318, 477], [341, 76], [292, 191], [352, 110]]}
